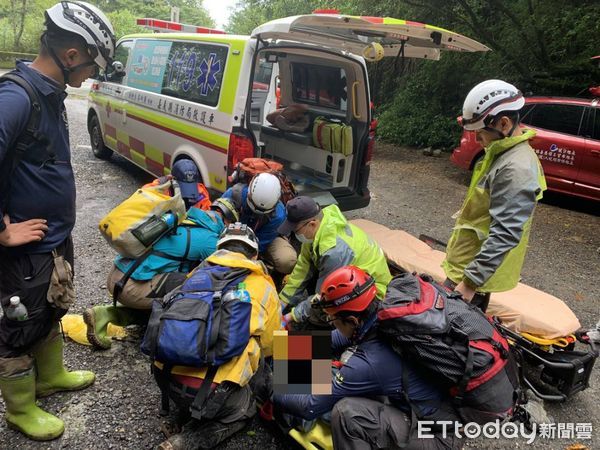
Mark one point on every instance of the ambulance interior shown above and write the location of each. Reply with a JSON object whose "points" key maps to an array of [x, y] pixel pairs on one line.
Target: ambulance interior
{"points": [[326, 86]]}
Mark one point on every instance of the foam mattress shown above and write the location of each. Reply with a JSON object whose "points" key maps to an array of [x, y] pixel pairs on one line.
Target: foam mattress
{"points": [[522, 309]]}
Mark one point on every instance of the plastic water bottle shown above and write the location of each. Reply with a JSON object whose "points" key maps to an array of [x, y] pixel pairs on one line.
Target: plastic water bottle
{"points": [[16, 310], [242, 293], [170, 219]]}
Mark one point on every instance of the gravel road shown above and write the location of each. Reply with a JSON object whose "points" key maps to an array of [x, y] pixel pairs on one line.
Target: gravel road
{"points": [[410, 191]]}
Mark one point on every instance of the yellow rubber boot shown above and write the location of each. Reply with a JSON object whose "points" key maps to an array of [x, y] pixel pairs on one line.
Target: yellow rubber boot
{"points": [[51, 373], [23, 414]]}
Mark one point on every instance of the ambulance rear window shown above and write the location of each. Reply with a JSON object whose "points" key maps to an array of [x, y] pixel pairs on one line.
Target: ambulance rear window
{"points": [[319, 85], [194, 72]]}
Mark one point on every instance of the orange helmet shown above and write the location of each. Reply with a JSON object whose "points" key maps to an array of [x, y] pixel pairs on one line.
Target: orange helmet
{"points": [[346, 289]]}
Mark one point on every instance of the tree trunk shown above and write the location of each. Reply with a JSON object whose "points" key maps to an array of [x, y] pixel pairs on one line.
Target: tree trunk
{"points": [[18, 24]]}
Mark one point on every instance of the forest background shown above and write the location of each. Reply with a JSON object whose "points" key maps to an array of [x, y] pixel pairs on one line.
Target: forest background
{"points": [[542, 46]]}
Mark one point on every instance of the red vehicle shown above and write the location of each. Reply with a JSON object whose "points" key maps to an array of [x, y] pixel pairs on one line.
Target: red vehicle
{"points": [[567, 143]]}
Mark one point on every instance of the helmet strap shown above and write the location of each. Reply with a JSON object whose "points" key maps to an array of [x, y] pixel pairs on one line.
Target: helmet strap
{"points": [[500, 134], [66, 71]]}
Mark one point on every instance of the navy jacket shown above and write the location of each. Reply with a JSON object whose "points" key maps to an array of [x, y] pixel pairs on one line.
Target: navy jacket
{"points": [[373, 370], [265, 228], [38, 192]]}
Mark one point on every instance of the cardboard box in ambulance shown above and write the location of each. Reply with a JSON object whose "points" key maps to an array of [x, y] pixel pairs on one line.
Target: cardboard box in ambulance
{"points": [[206, 97]]}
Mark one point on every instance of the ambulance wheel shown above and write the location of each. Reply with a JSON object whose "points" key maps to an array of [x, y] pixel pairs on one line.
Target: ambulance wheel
{"points": [[98, 148]]}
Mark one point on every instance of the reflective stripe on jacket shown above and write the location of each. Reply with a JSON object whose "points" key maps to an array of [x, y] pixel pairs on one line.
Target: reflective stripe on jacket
{"points": [[489, 241]]}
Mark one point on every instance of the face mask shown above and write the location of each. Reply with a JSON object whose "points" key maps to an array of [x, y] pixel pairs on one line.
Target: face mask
{"points": [[303, 239]]}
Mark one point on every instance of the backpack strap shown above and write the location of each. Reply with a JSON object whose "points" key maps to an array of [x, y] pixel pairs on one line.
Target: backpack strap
{"points": [[203, 392], [27, 139], [125, 278], [31, 135]]}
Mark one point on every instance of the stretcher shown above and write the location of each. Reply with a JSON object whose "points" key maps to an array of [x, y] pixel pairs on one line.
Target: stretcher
{"points": [[555, 356]]}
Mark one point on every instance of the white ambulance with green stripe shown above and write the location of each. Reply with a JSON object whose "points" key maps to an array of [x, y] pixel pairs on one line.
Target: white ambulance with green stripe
{"points": [[205, 97]]}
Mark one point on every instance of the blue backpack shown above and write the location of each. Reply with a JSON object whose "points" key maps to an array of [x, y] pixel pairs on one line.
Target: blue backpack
{"points": [[204, 323]]}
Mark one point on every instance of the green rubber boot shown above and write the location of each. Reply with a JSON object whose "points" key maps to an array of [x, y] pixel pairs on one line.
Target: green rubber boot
{"points": [[23, 414], [98, 318], [51, 373]]}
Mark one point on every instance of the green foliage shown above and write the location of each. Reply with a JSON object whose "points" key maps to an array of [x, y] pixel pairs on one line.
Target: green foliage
{"points": [[122, 13], [542, 46]]}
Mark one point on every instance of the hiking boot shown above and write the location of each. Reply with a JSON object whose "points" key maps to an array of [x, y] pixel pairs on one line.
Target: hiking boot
{"points": [[98, 318], [23, 414], [51, 373]]}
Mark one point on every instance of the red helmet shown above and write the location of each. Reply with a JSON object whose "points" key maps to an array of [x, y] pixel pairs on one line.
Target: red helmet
{"points": [[347, 289]]}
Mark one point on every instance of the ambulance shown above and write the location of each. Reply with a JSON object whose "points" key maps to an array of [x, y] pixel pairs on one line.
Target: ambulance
{"points": [[204, 95]]}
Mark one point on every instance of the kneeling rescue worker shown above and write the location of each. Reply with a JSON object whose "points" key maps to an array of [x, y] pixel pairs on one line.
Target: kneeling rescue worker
{"points": [[36, 250], [166, 268], [368, 367], [229, 402], [329, 242]]}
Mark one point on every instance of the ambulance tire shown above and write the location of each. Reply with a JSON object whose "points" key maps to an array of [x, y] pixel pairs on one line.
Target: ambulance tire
{"points": [[98, 148]]}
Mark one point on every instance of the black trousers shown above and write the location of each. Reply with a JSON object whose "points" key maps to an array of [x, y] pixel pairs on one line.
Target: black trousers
{"points": [[28, 276], [359, 423]]}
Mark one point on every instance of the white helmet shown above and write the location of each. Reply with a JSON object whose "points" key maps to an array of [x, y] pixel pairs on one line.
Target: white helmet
{"points": [[487, 100], [88, 22], [238, 232], [264, 193]]}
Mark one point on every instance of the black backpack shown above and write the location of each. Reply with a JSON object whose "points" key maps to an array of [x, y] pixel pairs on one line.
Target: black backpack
{"points": [[31, 146], [454, 341]]}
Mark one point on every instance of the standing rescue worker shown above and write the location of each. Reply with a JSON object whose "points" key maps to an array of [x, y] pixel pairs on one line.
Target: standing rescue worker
{"points": [[329, 242], [37, 205], [486, 250]]}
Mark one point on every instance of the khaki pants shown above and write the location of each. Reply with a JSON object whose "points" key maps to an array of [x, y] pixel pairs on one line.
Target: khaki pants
{"points": [[139, 294], [281, 256]]}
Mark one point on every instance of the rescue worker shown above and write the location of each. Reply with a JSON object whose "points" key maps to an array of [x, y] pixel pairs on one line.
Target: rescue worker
{"points": [[230, 405], [487, 247], [171, 259], [260, 207], [368, 368], [329, 242], [193, 192], [36, 250]]}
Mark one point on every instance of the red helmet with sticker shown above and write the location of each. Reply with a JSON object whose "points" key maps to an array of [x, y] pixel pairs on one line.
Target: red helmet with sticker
{"points": [[347, 289]]}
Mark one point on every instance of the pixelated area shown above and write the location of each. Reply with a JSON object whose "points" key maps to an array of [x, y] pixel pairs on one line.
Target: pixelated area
{"points": [[302, 362]]}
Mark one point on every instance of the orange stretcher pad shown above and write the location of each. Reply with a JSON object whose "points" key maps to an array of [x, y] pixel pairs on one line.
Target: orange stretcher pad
{"points": [[522, 309]]}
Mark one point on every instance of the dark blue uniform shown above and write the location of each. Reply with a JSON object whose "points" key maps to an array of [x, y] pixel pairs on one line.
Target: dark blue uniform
{"points": [[360, 416], [37, 191], [374, 369], [264, 227], [46, 191]]}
